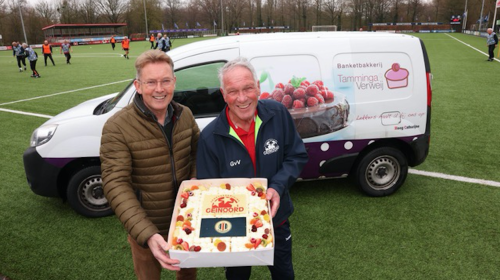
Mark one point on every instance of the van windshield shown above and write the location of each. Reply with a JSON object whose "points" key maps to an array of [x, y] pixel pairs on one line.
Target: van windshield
{"points": [[109, 104]]}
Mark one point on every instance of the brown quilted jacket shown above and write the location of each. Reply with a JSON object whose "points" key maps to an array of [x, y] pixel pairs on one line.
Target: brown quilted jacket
{"points": [[141, 174]]}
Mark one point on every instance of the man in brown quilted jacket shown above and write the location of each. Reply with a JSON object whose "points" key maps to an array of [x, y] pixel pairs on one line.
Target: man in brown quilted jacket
{"points": [[147, 149]]}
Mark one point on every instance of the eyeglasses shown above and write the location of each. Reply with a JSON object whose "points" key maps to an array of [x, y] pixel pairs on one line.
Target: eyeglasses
{"points": [[152, 84]]}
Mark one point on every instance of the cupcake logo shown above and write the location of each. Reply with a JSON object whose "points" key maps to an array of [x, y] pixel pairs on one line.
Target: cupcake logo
{"points": [[396, 76], [223, 226]]}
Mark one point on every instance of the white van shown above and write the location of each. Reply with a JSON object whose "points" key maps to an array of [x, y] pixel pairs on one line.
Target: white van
{"points": [[361, 102]]}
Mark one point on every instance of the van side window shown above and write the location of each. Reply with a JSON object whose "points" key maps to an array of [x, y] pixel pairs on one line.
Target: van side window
{"points": [[197, 87]]}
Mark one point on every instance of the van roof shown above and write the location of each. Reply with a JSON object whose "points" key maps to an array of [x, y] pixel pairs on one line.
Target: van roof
{"points": [[300, 36]]}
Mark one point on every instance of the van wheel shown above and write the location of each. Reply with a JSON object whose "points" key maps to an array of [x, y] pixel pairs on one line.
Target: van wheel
{"points": [[382, 171], [85, 194]]}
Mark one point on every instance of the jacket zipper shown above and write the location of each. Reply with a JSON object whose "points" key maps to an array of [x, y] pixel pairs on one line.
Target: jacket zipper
{"points": [[174, 177]]}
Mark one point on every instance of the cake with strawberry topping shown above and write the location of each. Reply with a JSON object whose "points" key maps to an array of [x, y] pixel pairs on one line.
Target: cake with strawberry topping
{"points": [[221, 217], [314, 108]]}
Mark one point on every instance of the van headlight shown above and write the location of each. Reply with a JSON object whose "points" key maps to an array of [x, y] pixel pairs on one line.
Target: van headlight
{"points": [[42, 135]]}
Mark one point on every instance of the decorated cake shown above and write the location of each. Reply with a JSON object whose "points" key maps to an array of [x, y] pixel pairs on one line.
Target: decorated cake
{"points": [[314, 108], [218, 216]]}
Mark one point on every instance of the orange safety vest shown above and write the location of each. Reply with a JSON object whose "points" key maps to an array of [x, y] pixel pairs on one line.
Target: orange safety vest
{"points": [[125, 43], [152, 38], [46, 49], [113, 40]]}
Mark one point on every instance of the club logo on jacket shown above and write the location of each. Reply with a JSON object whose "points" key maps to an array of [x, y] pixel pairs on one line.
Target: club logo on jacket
{"points": [[271, 146]]}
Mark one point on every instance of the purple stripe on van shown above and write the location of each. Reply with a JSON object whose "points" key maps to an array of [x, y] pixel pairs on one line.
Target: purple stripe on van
{"points": [[59, 162], [320, 152]]}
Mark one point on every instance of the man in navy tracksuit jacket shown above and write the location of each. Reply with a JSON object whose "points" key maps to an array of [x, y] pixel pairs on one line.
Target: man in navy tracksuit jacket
{"points": [[280, 155]]}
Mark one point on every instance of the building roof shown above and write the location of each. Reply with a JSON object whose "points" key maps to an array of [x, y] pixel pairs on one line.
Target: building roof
{"points": [[83, 25]]}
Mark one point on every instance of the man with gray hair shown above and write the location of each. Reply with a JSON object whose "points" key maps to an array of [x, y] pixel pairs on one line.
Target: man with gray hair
{"points": [[492, 42], [261, 136]]}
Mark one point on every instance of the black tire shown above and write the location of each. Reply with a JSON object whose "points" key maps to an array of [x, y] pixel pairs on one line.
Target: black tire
{"points": [[85, 194], [382, 171]]}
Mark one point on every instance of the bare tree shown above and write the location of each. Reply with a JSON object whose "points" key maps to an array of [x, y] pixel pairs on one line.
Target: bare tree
{"points": [[357, 8], [47, 12], [235, 10], [172, 11], [414, 7], [87, 9], [382, 10], [194, 14], [211, 8], [113, 10], [317, 11], [68, 11]]}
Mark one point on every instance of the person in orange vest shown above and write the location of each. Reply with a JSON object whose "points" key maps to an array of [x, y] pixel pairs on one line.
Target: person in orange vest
{"points": [[125, 46], [152, 41], [112, 41], [47, 52]]}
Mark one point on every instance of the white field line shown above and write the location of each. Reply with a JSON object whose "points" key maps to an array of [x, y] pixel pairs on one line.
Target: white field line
{"points": [[64, 92], [26, 113], [455, 178], [468, 45]]}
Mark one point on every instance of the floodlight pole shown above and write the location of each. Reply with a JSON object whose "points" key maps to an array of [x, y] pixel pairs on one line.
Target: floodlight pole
{"points": [[146, 19], [481, 17], [222, 18], [494, 17], [466, 15], [22, 23]]}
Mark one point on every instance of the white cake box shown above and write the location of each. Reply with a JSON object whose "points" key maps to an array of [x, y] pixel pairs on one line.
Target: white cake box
{"points": [[249, 257]]}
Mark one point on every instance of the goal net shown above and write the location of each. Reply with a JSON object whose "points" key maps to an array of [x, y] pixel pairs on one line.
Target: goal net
{"points": [[317, 28]]}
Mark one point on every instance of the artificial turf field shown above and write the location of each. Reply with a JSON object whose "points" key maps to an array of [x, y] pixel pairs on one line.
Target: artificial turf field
{"points": [[431, 228]]}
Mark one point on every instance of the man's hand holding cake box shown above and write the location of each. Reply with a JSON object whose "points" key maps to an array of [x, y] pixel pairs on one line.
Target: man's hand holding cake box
{"points": [[253, 139]]}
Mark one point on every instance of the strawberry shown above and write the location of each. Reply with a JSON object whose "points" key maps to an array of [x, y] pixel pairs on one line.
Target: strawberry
{"points": [[323, 93], [289, 89], [257, 243], [279, 85], [197, 248], [298, 104], [265, 95], [180, 218], [251, 188], [185, 245], [329, 97], [278, 94], [287, 101], [312, 101], [312, 90], [305, 83], [299, 93], [258, 223], [185, 195], [320, 98], [319, 83]]}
